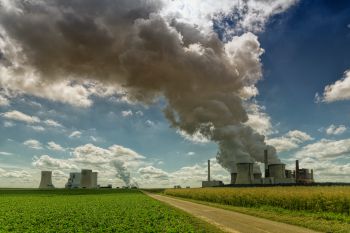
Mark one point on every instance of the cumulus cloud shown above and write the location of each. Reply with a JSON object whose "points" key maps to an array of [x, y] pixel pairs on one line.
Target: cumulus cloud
{"points": [[325, 149], [197, 137], [4, 101], [34, 144], [47, 162], [38, 128], [54, 146], [340, 90], [22, 174], [336, 130], [52, 123], [19, 116], [8, 124], [289, 141], [127, 113], [75, 134]]}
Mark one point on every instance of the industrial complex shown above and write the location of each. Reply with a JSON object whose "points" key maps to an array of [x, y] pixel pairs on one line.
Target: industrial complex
{"points": [[85, 179], [275, 174]]}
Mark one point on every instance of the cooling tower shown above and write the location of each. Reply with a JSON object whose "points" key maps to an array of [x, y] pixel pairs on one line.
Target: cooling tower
{"points": [[94, 180], [256, 171], [73, 180], [46, 180], [233, 177], [277, 171], [86, 179], [244, 173]]}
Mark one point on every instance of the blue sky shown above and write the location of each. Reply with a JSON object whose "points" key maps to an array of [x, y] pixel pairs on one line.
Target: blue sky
{"points": [[306, 48]]}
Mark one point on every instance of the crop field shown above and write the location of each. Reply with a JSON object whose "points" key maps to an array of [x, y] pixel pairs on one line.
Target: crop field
{"points": [[321, 208], [90, 211]]}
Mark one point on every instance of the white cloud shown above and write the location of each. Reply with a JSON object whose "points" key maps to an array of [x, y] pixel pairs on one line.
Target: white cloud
{"points": [[54, 146], [127, 113], [250, 15], [340, 90], [4, 101], [336, 130], [149, 123], [139, 113], [289, 141], [34, 144], [14, 174], [19, 116], [37, 128], [191, 153], [5, 153], [47, 162], [75, 134], [8, 124], [93, 138], [325, 149], [52, 123], [196, 138]]}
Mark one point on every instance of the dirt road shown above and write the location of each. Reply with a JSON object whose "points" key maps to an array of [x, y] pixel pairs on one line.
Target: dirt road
{"points": [[230, 221]]}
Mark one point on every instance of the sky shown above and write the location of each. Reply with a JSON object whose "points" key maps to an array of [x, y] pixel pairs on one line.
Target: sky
{"points": [[145, 92]]}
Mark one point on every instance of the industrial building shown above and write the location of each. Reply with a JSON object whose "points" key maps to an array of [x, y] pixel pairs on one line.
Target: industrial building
{"points": [[46, 180], [209, 182], [85, 179], [275, 174]]}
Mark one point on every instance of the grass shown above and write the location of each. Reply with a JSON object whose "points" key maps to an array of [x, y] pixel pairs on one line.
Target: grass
{"points": [[91, 211], [306, 212]]}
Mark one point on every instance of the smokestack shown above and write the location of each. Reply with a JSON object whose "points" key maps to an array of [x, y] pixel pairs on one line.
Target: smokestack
{"points": [[312, 174], [266, 162], [208, 170], [46, 180], [296, 170], [233, 177]]}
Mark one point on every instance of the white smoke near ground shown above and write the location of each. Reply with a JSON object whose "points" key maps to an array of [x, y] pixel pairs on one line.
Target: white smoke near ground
{"points": [[149, 52]]}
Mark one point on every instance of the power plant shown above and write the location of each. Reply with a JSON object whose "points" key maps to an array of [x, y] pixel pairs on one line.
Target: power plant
{"points": [[46, 180], [86, 179], [275, 174]]}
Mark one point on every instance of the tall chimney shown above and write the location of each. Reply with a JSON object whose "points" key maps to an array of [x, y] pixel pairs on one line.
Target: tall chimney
{"points": [[266, 162], [297, 170], [312, 175], [208, 170]]}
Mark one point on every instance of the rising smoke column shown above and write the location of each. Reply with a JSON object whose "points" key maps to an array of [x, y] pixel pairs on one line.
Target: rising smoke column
{"points": [[122, 172], [131, 44]]}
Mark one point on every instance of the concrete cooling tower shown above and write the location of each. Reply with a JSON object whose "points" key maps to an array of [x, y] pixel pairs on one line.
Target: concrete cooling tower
{"points": [[244, 173], [73, 180], [277, 171], [46, 180], [94, 180], [86, 179]]}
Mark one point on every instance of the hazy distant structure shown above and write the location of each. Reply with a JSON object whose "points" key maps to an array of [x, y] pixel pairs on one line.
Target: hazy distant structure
{"points": [[209, 182], [85, 179], [73, 180], [303, 176], [46, 180]]}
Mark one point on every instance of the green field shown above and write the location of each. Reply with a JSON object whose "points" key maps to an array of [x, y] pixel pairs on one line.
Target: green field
{"points": [[91, 211], [325, 209]]}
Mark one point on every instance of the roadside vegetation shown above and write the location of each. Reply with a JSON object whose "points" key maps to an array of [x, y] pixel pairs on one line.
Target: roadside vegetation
{"points": [[91, 211], [325, 209]]}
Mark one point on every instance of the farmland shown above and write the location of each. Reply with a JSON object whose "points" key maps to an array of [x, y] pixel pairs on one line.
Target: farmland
{"points": [[320, 208], [91, 211]]}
